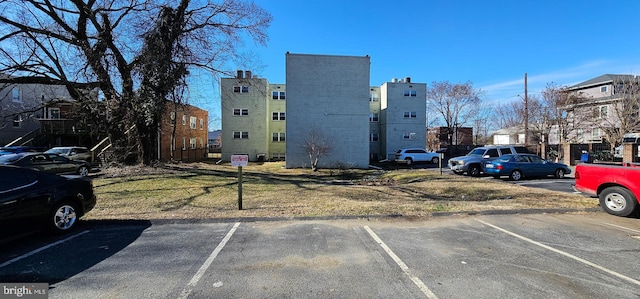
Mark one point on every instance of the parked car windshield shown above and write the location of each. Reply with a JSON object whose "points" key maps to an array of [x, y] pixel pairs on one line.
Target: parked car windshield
{"points": [[476, 152]]}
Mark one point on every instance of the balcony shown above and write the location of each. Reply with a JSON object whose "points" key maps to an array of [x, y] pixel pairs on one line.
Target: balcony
{"points": [[60, 126]]}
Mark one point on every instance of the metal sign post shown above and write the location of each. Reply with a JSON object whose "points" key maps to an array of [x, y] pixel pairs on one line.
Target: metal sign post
{"points": [[239, 160]]}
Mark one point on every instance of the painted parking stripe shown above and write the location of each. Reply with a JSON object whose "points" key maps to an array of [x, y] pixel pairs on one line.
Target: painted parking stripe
{"points": [[196, 278], [11, 261], [588, 263], [402, 265]]}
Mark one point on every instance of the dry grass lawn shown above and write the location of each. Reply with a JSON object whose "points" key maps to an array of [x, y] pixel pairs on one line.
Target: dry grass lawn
{"points": [[203, 191]]}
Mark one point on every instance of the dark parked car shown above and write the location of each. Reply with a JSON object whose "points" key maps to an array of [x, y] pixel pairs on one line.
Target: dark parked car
{"points": [[51, 163], [31, 200], [524, 165]]}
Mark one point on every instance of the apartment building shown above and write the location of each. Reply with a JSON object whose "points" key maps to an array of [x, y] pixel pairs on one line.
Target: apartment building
{"points": [[601, 109], [183, 133], [328, 94], [23, 105]]}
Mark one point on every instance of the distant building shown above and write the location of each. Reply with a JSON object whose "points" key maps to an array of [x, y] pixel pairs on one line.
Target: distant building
{"points": [[183, 134], [270, 121], [444, 137], [214, 140]]}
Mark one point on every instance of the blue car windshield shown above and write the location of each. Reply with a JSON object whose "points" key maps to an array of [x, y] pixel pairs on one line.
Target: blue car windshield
{"points": [[6, 159]]}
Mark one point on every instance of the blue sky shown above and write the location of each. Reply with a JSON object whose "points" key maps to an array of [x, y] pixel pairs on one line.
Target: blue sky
{"points": [[489, 43]]}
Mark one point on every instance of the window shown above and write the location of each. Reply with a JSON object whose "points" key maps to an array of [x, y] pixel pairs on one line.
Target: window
{"points": [[410, 93], [54, 113], [241, 89], [373, 137], [373, 117], [603, 89], [240, 112], [201, 124], [278, 95], [184, 143], [410, 114], [595, 133], [604, 111], [278, 116], [240, 135], [15, 95], [173, 115], [184, 120], [409, 136], [17, 120], [192, 143], [505, 151], [374, 97], [278, 137], [192, 122]]}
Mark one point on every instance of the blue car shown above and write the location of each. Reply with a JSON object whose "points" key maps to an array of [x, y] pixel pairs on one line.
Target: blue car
{"points": [[517, 166]]}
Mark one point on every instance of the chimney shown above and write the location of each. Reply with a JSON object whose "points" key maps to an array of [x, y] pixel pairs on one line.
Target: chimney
{"points": [[407, 79], [239, 74], [247, 74]]}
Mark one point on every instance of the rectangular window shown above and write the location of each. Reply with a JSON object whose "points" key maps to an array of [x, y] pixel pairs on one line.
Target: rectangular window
{"points": [[278, 95], [240, 135], [374, 97], [595, 133], [201, 124], [278, 116], [410, 114], [240, 112], [184, 143], [192, 122], [603, 89], [604, 111], [241, 89], [373, 117], [192, 143], [278, 137], [15, 95], [374, 137], [409, 136], [54, 113], [410, 93], [184, 120]]}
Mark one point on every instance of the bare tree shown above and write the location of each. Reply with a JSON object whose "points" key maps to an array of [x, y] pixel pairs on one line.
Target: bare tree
{"points": [[619, 115], [556, 100], [135, 51], [457, 104], [316, 144]]}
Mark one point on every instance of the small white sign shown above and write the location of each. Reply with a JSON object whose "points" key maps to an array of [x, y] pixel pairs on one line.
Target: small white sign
{"points": [[239, 160]]}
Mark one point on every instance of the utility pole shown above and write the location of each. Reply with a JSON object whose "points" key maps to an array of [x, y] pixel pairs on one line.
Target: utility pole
{"points": [[526, 112]]}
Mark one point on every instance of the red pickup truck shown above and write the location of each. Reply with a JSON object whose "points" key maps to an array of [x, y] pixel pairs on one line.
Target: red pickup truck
{"points": [[617, 186]]}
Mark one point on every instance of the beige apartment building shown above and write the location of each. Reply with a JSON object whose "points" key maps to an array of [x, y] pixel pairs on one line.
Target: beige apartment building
{"points": [[270, 121]]}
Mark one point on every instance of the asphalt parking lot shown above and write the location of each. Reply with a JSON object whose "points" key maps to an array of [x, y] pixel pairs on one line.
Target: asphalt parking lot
{"points": [[591, 255]]}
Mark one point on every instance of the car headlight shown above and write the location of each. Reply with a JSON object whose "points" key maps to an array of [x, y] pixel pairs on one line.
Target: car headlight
{"points": [[461, 162]]}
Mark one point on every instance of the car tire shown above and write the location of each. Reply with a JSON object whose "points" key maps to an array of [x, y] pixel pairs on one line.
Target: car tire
{"points": [[474, 170], [408, 161], [62, 218], [515, 175], [559, 174], [83, 171], [618, 201], [435, 160]]}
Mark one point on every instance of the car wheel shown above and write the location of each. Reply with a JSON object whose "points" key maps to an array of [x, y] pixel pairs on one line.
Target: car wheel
{"points": [[515, 175], [559, 174], [83, 171], [618, 201], [435, 160], [408, 160], [474, 170], [63, 218]]}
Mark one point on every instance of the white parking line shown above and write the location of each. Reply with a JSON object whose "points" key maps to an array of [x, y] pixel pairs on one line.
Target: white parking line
{"points": [[622, 227], [402, 265], [588, 263], [11, 261], [196, 278]]}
